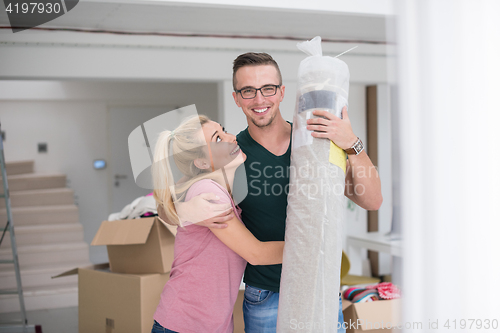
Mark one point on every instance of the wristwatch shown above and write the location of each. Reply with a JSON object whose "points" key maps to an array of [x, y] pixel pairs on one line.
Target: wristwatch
{"points": [[356, 148]]}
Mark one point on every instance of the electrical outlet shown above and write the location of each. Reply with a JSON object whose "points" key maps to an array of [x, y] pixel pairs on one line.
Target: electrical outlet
{"points": [[42, 147]]}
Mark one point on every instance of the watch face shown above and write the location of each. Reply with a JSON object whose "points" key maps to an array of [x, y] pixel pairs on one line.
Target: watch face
{"points": [[358, 147]]}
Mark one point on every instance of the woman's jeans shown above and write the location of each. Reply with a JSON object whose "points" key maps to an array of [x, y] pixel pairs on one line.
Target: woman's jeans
{"points": [[260, 311], [157, 328]]}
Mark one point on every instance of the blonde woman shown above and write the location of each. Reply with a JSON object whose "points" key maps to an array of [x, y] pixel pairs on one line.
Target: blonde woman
{"points": [[209, 262]]}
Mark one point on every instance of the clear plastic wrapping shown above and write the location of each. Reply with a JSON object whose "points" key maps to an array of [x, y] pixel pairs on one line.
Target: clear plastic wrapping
{"points": [[310, 279]]}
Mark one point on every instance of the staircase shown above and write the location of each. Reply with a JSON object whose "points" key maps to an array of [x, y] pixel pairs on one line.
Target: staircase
{"points": [[49, 239]]}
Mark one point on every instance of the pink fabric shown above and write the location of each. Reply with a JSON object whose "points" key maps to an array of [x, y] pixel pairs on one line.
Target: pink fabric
{"points": [[386, 290], [205, 276]]}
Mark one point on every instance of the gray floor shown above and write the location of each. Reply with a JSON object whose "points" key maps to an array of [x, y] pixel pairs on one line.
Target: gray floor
{"points": [[63, 320]]}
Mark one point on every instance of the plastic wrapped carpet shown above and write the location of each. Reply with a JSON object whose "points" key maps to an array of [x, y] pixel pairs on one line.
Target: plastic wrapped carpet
{"points": [[310, 280]]}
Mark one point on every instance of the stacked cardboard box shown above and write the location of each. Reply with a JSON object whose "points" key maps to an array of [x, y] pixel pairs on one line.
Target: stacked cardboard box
{"points": [[138, 246], [112, 302], [122, 296]]}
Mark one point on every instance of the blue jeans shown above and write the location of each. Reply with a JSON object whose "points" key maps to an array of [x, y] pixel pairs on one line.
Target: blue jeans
{"points": [[260, 311], [157, 328]]}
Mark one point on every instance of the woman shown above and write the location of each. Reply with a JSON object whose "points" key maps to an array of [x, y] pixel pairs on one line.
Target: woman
{"points": [[208, 263]]}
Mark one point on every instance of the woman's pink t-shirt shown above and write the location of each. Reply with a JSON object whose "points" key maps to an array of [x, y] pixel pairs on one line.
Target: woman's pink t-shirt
{"points": [[205, 276]]}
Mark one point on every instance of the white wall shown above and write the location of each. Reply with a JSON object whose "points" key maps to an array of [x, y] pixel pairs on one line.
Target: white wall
{"points": [[384, 170], [72, 117], [356, 218]]}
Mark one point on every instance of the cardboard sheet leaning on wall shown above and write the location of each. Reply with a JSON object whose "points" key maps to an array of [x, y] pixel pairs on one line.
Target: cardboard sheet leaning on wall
{"points": [[310, 281]]}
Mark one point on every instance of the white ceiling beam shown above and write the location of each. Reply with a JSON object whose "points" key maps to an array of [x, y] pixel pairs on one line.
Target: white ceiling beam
{"points": [[352, 7]]}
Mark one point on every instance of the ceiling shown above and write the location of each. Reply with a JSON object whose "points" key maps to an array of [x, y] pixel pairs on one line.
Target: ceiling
{"points": [[203, 19]]}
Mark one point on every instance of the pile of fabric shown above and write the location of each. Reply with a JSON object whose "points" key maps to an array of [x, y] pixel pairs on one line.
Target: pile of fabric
{"points": [[383, 290], [141, 207]]}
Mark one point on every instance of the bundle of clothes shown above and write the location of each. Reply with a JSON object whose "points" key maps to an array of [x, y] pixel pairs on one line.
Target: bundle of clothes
{"points": [[141, 207], [383, 290]]}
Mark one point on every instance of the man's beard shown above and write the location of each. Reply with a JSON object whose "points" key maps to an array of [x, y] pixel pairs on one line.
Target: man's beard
{"points": [[266, 124]]}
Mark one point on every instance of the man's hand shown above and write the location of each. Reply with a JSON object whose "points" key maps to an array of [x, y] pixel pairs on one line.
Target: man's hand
{"points": [[362, 180], [332, 127], [201, 211]]}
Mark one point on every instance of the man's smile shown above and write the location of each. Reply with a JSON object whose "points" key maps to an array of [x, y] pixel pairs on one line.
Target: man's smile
{"points": [[260, 110]]}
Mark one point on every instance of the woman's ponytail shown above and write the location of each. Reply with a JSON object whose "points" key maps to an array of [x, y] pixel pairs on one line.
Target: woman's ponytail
{"points": [[183, 145], [163, 178]]}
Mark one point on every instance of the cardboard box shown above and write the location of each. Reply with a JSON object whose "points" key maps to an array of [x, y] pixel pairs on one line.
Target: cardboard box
{"points": [[345, 304], [138, 246], [372, 317], [239, 324], [116, 303]]}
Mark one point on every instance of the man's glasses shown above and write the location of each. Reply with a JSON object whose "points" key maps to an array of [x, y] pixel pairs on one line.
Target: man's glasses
{"points": [[266, 91]]}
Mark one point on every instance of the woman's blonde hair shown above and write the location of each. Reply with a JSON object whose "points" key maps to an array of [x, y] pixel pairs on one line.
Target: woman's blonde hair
{"points": [[186, 146]]}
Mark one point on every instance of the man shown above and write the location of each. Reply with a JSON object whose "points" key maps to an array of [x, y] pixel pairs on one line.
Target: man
{"points": [[258, 91]]}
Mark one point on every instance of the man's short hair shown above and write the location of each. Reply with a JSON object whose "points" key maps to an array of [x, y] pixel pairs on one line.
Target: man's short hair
{"points": [[253, 59]]}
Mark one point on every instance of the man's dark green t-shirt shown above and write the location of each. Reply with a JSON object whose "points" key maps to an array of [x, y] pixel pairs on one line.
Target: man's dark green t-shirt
{"points": [[264, 207]]}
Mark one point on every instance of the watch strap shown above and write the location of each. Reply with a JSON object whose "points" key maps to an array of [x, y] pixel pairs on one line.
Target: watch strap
{"points": [[356, 148]]}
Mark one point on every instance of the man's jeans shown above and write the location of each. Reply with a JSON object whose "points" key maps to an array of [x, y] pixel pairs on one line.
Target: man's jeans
{"points": [[260, 311]]}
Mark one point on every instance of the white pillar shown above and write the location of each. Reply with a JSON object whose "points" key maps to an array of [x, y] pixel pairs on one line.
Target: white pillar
{"points": [[449, 78]]}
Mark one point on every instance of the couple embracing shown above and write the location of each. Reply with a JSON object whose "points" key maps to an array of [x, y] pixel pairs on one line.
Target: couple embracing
{"points": [[247, 239]]}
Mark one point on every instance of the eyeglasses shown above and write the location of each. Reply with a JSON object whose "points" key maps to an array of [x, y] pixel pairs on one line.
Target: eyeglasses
{"points": [[266, 91]]}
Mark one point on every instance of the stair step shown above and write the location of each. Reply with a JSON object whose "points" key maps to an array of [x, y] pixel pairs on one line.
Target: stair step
{"points": [[41, 276], [49, 240], [41, 215], [40, 255], [33, 181], [46, 234], [19, 167], [51, 297], [63, 196]]}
